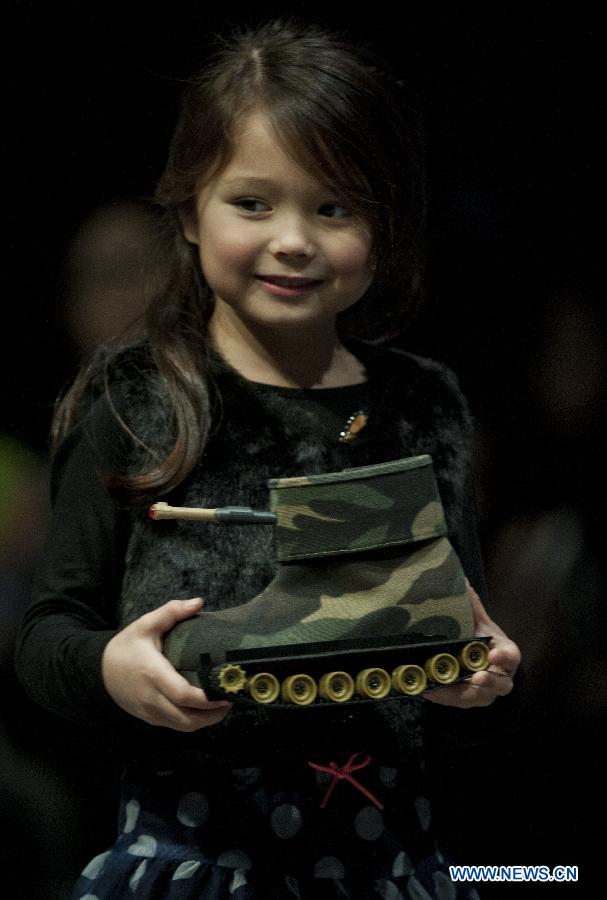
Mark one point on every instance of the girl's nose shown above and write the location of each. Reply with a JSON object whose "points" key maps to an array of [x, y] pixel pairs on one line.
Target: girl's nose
{"points": [[292, 238]]}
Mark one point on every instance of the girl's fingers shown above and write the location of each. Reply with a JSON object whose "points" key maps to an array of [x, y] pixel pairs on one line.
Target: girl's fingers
{"points": [[177, 690], [481, 689], [184, 706], [171, 701], [143, 682], [491, 682], [505, 656], [160, 620], [163, 712]]}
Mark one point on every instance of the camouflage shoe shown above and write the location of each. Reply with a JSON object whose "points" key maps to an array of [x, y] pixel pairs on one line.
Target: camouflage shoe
{"points": [[369, 603]]}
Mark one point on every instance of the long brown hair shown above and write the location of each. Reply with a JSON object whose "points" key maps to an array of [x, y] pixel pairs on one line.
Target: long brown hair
{"points": [[339, 111]]}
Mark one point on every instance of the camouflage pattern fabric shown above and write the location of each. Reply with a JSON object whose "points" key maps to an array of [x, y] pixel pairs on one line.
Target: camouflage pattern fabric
{"points": [[357, 509]]}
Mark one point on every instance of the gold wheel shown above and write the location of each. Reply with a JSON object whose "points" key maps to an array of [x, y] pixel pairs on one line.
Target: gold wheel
{"points": [[409, 679], [442, 668], [263, 687], [475, 656], [232, 679], [336, 686], [300, 689], [374, 684]]}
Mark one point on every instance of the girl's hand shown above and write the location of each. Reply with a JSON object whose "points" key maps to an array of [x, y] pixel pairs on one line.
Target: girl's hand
{"points": [[144, 683], [482, 688]]}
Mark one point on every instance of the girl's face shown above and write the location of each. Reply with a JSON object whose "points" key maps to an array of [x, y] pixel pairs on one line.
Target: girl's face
{"points": [[277, 247]]}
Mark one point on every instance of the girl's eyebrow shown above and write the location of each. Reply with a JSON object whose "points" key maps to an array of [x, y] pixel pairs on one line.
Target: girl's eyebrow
{"points": [[244, 182], [250, 180]]}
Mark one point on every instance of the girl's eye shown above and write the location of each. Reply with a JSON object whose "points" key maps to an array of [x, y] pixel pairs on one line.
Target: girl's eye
{"points": [[252, 205], [333, 211]]}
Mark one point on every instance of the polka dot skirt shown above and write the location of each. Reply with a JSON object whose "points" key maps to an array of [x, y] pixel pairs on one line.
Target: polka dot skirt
{"points": [[267, 834]]}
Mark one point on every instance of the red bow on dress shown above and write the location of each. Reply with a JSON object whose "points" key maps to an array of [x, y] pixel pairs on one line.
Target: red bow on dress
{"points": [[345, 772]]}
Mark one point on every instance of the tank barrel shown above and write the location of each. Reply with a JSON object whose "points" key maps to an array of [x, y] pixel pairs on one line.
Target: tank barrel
{"points": [[235, 514]]}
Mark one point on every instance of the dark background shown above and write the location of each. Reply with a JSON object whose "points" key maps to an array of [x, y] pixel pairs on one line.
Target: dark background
{"points": [[514, 107]]}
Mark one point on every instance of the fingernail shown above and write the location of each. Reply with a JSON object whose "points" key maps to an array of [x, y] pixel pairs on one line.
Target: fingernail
{"points": [[194, 601]]}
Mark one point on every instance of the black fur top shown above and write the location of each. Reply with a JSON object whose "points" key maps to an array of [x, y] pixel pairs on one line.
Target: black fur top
{"points": [[414, 406]]}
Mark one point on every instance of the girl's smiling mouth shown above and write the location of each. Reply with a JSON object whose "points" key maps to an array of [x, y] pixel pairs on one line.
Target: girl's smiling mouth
{"points": [[288, 285]]}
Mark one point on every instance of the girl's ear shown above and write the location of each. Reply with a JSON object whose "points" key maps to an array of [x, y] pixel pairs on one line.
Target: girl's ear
{"points": [[189, 222]]}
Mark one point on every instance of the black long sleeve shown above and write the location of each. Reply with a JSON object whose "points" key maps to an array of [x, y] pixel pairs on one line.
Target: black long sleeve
{"points": [[72, 615]]}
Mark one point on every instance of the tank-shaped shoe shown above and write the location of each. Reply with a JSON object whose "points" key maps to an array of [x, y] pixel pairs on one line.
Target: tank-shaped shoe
{"points": [[369, 602]]}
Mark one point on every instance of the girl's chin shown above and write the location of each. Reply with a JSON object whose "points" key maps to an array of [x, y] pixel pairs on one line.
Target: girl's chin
{"points": [[265, 312]]}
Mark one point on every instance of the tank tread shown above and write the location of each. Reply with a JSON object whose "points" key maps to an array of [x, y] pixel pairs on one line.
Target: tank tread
{"points": [[337, 672]]}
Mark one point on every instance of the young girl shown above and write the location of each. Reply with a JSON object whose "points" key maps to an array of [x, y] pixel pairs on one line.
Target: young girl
{"points": [[293, 191]]}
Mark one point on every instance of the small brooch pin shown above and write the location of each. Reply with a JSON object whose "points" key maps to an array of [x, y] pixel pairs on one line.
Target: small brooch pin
{"points": [[355, 423]]}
